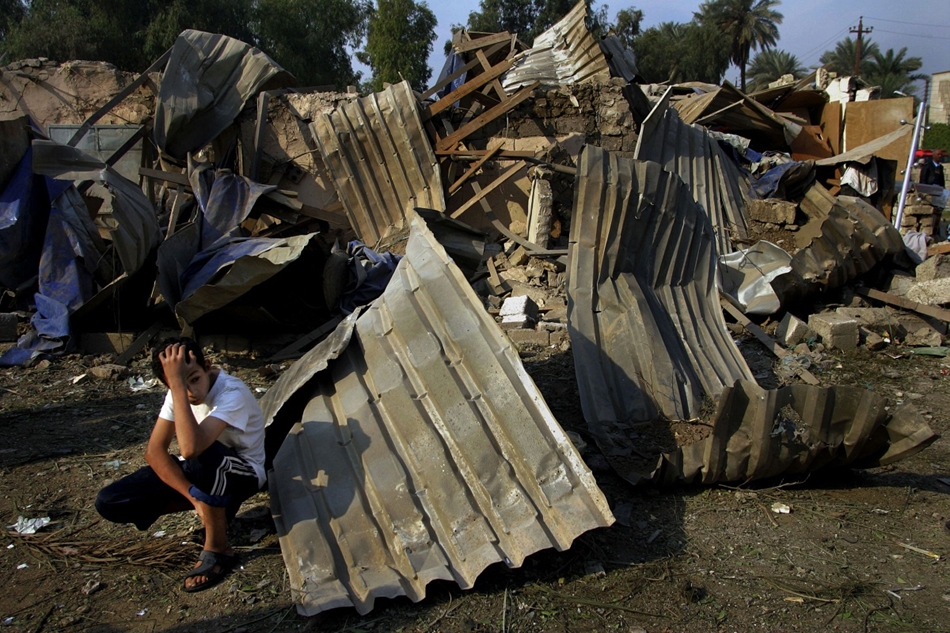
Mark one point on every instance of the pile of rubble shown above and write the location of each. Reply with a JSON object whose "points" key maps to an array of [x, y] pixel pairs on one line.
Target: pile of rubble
{"points": [[402, 246]]}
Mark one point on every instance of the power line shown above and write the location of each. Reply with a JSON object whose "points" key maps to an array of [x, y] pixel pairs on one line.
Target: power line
{"points": [[929, 37], [818, 48], [939, 26]]}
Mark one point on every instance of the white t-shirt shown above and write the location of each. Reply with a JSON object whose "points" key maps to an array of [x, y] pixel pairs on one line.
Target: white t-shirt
{"points": [[232, 402]]}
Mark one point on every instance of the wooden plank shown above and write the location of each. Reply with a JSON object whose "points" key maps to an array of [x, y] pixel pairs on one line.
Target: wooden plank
{"points": [[455, 186], [175, 212], [483, 42], [766, 340], [293, 350], [469, 87], [138, 344], [484, 192], [452, 139], [495, 84], [118, 98], [938, 249], [458, 73], [907, 304], [167, 176], [263, 100]]}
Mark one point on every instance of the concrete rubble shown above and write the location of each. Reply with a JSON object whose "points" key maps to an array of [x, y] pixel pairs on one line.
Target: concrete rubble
{"points": [[405, 247]]}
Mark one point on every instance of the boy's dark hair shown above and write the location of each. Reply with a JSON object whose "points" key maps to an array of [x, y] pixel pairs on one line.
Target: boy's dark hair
{"points": [[190, 346]]}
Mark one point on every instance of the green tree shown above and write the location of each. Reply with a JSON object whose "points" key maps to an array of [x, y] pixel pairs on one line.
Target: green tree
{"points": [[746, 24], [309, 38], [937, 137], [769, 65], [11, 13], [841, 60], [894, 72], [627, 25], [676, 52], [399, 39], [526, 18], [169, 19]]}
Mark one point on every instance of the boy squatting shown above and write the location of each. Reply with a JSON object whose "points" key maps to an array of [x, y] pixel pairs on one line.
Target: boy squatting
{"points": [[220, 431]]}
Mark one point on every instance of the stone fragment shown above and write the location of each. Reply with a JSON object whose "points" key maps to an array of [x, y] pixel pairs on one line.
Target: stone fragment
{"points": [[522, 336], [836, 330], [772, 211], [518, 312], [108, 372], [872, 341], [935, 267], [932, 293], [791, 330]]}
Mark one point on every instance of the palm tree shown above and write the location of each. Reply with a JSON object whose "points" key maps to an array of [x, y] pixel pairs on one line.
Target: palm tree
{"points": [[894, 73], [769, 65], [841, 60], [747, 24]]}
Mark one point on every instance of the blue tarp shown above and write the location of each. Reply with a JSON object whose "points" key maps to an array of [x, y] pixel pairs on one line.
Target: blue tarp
{"points": [[370, 273]]}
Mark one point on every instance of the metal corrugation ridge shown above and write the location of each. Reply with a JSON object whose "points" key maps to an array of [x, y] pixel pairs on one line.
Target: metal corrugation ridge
{"points": [[564, 54], [691, 153], [380, 159], [649, 338], [424, 451], [759, 433], [620, 59]]}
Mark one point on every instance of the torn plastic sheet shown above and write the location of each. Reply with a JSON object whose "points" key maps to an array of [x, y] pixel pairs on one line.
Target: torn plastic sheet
{"points": [[758, 433], [206, 83], [861, 178], [225, 200], [746, 276], [370, 273], [418, 448], [24, 525]]}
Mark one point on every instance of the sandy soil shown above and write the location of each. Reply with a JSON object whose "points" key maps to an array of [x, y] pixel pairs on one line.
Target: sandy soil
{"points": [[857, 551]]}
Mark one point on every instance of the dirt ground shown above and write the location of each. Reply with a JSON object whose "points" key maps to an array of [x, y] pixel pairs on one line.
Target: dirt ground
{"points": [[857, 550]]}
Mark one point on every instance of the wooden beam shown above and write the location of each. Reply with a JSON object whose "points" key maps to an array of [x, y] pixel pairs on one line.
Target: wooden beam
{"points": [[455, 186], [453, 139], [483, 42], [907, 304], [938, 249], [487, 190], [118, 98], [495, 84], [119, 153], [263, 100], [468, 88], [766, 340], [138, 344], [458, 73]]}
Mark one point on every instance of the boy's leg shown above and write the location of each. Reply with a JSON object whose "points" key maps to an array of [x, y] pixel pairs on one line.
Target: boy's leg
{"points": [[139, 498]]}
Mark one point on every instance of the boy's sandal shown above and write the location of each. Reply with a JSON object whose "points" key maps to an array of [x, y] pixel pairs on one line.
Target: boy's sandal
{"points": [[210, 560]]}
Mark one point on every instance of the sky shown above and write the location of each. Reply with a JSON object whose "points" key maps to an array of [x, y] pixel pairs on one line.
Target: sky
{"points": [[809, 27]]}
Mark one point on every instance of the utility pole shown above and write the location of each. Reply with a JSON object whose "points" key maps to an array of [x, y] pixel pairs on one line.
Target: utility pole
{"points": [[857, 49]]}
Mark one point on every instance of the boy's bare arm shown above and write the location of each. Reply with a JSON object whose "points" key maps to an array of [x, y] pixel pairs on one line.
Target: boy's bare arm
{"points": [[193, 438], [161, 461]]}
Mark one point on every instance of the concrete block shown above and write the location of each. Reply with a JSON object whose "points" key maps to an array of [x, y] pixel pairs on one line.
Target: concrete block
{"points": [[872, 340], [900, 284], [518, 312], [932, 293], [836, 330], [527, 336], [935, 267], [791, 331], [771, 210], [8, 322], [880, 320]]}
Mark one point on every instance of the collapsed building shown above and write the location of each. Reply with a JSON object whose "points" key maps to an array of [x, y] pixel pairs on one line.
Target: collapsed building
{"points": [[378, 239]]}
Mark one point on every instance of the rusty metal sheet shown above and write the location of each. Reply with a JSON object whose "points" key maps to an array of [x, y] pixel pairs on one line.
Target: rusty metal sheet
{"points": [[380, 160], [423, 451], [564, 54], [690, 152], [650, 342], [758, 433]]}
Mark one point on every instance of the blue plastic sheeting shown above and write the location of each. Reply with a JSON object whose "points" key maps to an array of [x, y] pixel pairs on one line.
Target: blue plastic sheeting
{"points": [[453, 62], [767, 184], [370, 273], [24, 212], [225, 200]]}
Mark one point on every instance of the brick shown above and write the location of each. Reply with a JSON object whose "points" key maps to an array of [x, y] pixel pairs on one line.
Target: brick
{"points": [[836, 330], [791, 331], [771, 210], [524, 336]]}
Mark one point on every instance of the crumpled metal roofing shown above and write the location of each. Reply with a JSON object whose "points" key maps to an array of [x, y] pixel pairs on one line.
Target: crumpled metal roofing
{"points": [[134, 227], [207, 81], [758, 433], [422, 451], [694, 154], [620, 59], [564, 54], [649, 339], [380, 159]]}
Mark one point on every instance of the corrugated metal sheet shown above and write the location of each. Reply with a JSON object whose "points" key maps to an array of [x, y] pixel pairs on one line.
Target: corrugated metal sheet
{"points": [[691, 153], [758, 433], [380, 159], [564, 54], [649, 338], [620, 59], [424, 451]]}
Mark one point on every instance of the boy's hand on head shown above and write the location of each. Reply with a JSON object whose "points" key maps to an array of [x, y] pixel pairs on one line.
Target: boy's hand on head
{"points": [[177, 363]]}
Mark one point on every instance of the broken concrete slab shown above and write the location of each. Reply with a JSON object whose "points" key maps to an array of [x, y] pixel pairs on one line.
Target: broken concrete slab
{"points": [[791, 331], [518, 312], [932, 293]]}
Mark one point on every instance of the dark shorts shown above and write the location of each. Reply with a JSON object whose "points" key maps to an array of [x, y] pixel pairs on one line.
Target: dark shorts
{"points": [[219, 478]]}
